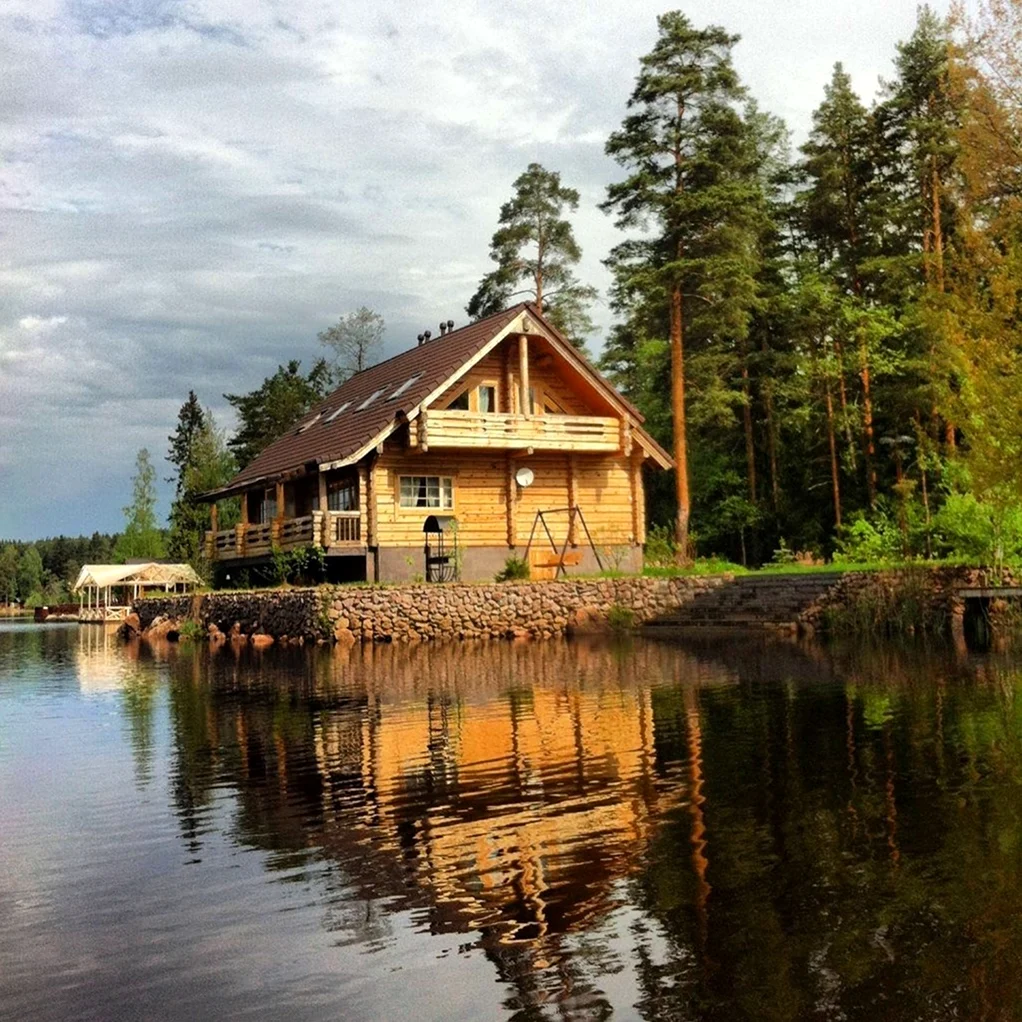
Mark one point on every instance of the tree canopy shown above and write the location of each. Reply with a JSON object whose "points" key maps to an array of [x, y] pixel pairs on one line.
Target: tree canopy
{"points": [[535, 251]]}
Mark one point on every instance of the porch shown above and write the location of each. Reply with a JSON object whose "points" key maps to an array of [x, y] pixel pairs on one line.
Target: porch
{"points": [[338, 532]]}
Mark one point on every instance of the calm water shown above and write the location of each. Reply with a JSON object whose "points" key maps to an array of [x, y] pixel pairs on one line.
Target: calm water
{"points": [[729, 831]]}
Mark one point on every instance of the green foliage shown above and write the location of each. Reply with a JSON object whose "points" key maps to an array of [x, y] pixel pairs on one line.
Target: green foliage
{"points": [[515, 569], [9, 573], [660, 550], [30, 574], [784, 555], [301, 566], [356, 340], [881, 608], [142, 538], [536, 245], [275, 406], [206, 464], [190, 631], [620, 618]]}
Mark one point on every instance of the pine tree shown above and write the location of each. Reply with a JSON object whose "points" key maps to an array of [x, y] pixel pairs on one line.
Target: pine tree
{"points": [[676, 144], [535, 246]]}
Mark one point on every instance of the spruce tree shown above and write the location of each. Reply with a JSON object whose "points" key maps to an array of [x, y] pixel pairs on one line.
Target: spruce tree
{"points": [[190, 420], [273, 407]]}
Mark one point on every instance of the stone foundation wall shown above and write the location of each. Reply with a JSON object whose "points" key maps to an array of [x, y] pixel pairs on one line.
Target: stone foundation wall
{"points": [[420, 612], [413, 613]]}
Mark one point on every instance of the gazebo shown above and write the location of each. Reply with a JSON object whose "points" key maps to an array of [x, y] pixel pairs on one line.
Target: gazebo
{"points": [[105, 591]]}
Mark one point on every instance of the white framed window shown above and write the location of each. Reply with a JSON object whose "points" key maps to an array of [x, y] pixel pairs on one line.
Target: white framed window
{"points": [[427, 491]]}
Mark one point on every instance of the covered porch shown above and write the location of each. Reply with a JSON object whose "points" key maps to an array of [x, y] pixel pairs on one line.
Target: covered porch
{"points": [[325, 509]]}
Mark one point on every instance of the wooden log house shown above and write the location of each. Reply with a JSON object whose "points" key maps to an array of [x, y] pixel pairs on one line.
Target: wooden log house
{"points": [[442, 430]]}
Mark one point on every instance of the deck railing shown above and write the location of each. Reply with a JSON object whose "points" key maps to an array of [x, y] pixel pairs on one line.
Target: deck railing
{"points": [[541, 432], [322, 528], [343, 527]]}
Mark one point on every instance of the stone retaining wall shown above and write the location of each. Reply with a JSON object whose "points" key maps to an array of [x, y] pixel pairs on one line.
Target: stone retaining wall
{"points": [[413, 613]]}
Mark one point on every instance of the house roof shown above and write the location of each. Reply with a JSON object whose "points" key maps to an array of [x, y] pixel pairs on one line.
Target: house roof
{"points": [[375, 401]]}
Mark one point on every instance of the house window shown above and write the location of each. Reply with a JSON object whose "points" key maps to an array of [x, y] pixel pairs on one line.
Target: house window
{"points": [[460, 403], [487, 398], [427, 491], [268, 509], [342, 495]]}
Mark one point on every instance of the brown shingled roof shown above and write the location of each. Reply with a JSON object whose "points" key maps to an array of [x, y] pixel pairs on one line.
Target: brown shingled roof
{"points": [[324, 440], [319, 439]]}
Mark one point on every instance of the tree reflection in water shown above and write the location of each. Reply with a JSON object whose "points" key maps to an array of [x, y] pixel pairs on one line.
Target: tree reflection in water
{"points": [[700, 831]]}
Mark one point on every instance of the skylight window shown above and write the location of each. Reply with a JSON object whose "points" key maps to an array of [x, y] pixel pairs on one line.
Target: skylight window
{"points": [[305, 425], [337, 411], [369, 400], [404, 386]]}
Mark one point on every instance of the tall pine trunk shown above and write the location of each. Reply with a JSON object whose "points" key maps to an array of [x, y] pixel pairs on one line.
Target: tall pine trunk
{"points": [[750, 447], [869, 443], [768, 407], [835, 477], [678, 421]]}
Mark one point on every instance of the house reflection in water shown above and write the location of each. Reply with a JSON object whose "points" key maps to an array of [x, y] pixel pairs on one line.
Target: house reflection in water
{"points": [[504, 791]]}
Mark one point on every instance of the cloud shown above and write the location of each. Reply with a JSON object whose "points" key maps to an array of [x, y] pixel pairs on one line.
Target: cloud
{"points": [[191, 189]]}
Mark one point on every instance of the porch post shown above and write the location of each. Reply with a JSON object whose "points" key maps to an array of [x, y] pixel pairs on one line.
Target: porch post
{"points": [[523, 374]]}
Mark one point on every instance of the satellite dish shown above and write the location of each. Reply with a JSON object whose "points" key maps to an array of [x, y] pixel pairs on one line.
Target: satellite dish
{"points": [[524, 477]]}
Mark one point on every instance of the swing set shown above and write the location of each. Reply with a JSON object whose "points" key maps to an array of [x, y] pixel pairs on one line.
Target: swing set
{"points": [[560, 560]]}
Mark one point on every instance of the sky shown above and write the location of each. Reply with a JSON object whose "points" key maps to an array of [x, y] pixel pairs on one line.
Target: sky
{"points": [[190, 190]]}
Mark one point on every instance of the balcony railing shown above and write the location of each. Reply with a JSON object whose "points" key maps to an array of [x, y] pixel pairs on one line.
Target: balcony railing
{"points": [[541, 432], [328, 529]]}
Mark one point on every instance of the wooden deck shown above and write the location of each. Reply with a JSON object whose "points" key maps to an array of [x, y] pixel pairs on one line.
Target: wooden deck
{"points": [[517, 432], [335, 531]]}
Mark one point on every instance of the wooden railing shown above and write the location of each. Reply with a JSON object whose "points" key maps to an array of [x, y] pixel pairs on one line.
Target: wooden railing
{"points": [[541, 432], [343, 527], [323, 528]]}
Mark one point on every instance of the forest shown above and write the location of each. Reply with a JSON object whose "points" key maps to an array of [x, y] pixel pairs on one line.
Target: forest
{"points": [[826, 336]]}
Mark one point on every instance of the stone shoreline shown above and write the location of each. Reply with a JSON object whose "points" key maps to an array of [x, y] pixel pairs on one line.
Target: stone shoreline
{"points": [[351, 614], [416, 613]]}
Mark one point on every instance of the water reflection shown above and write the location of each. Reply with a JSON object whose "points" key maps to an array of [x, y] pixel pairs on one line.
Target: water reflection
{"points": [[713, 831]]}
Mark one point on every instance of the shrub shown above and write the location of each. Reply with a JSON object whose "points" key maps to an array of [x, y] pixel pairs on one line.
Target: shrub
{"points": [[303, 566], [190, 630], [515, 569], [620, 618], [660, 551]]}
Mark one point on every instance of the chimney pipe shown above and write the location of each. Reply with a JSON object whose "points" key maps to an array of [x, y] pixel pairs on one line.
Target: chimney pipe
{"points": [[443, 328], [450, 325], [422, 337]]}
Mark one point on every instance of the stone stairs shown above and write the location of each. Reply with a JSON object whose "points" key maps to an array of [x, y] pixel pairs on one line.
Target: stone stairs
{"points": [[775, 602]]}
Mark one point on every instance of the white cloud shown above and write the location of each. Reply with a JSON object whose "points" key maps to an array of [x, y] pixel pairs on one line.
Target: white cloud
{"points": [[191, 190]]}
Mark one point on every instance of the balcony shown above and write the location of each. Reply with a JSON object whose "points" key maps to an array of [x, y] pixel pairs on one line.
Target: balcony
{"points": [[335, 531], [515, 432]]}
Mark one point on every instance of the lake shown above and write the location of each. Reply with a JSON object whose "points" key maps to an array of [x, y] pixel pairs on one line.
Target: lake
{"points": [[727, 829]]}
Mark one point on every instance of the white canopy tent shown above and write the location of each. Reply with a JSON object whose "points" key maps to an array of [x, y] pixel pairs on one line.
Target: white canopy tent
{"points": [[96, 583]]}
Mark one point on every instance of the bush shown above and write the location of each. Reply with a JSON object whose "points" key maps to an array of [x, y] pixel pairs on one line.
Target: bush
{"points": [[190, 630], [515, 569], [620, 618], [660, 550], [869, 540], [304, 566]]}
